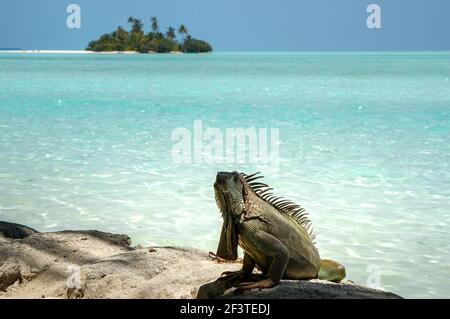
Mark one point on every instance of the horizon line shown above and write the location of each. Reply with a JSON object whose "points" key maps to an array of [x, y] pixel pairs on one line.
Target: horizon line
{"points": [[14, 50]]}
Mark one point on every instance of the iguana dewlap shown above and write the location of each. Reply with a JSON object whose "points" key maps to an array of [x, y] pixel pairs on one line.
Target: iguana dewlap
{"points": [[274, 233]]}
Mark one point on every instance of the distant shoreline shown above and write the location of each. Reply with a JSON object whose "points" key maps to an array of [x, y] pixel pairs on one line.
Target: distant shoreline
{"points": [[72, 52], [241, 52], [89, 52]]}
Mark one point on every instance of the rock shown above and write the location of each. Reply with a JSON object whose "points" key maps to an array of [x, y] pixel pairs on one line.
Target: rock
{"points": [[162, 272], [73, 293], [40, 259], [9, 274], [295, 289], [15, 231], [104, 266], [94, 264]]}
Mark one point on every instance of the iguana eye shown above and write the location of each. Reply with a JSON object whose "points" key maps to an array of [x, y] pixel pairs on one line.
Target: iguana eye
{"points": [[236, 178]]}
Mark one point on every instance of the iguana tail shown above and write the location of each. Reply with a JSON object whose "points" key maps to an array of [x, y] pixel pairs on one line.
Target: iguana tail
{"points": [[331, 270]]}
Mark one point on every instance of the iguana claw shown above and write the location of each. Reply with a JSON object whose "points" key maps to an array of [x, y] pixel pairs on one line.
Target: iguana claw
{"points": [[231, 275], [262, 284], [228, 273]]}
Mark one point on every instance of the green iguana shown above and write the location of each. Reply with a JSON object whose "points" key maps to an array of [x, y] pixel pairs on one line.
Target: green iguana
{"points": [[274, 233]]}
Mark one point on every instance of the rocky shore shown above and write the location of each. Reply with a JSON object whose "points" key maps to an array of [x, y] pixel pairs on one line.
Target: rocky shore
{"points": [[94, 264]]}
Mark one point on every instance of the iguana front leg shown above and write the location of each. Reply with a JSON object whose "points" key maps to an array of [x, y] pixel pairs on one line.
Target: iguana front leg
{"points": [[233, 277], [273, 247]]}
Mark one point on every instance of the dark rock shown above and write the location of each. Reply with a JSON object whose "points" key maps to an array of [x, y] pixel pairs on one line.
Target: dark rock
{"points": [[295, 289], [15, 231]]}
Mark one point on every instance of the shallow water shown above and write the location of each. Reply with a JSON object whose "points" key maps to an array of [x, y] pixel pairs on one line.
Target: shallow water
{"points": [[364, 147]]}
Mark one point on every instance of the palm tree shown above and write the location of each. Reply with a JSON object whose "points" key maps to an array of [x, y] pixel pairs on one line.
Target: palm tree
{"points": [[155, 24], [121, 37], [170, 33], [136, 35], [136, 24], [183, 31]]}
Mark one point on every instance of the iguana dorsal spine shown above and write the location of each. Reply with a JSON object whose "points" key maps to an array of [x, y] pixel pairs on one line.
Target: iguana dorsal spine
{"points": [[284, 206]]}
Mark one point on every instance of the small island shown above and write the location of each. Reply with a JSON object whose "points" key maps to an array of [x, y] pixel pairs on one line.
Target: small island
{"points": [[155, 41]]}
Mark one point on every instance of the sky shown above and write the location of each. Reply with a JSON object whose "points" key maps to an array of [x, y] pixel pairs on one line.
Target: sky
{"points": [[237, 25]]}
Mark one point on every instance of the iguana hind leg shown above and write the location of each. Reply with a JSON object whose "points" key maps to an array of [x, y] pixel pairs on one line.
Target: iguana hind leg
{"points": [[273, 247]]}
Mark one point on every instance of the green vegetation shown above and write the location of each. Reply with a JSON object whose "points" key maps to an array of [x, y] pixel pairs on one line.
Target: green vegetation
{"points": [[196, 46], [154, 41]]}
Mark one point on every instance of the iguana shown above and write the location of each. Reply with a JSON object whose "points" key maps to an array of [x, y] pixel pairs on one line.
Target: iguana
{"points": [[275, 234]]}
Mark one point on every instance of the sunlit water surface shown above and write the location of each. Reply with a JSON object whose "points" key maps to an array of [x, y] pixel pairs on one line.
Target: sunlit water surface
{"points": [[364, 147]]}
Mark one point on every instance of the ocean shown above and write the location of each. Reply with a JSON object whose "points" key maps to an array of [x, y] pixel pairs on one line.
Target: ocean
{"points": [[360, 140]]}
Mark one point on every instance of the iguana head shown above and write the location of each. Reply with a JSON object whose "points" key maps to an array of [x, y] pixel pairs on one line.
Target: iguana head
{"points": [[229, 191]]}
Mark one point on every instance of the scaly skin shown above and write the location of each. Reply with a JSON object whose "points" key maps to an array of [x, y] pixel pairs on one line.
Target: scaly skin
{"points": [[274, 234]]}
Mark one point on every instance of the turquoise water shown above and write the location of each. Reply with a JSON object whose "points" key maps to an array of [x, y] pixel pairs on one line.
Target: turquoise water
{"points": [[364, 146]]}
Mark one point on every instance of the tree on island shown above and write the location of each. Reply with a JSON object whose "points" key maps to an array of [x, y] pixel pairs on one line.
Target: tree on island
{"points": [[137, 38], [136, 25], [155, 24], [154, 41], [122, 39], [170, 33], [183, 31]]}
